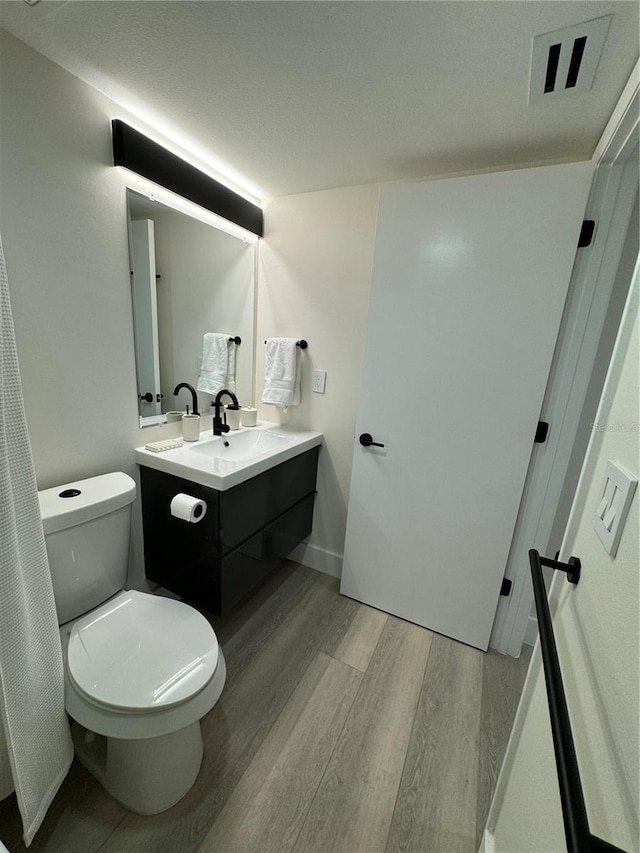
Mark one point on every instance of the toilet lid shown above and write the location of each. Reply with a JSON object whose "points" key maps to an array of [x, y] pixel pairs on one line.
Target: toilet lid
{"points": [[141, 652]]}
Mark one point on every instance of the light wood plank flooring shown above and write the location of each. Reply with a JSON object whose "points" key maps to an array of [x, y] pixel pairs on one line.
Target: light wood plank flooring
{"points": [[341, 729]]}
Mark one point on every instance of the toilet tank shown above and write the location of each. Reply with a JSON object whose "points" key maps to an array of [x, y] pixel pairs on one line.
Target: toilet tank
{"points": [[86, 526]]}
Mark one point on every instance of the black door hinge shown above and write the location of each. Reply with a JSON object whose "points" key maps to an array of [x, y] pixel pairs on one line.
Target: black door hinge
{"points": [[505, 589], [542, 431], [586, 233]]}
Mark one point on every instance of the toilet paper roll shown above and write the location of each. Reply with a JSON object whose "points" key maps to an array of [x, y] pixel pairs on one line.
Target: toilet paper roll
{"points": [[188, 508]]}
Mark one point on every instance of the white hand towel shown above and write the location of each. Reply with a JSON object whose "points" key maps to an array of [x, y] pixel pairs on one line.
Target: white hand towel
{"points": [[34, 732], [281, 373], [218, 367], [230, 381]]}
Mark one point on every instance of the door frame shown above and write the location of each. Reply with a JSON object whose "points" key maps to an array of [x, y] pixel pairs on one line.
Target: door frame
{"points": [[552, 470]]}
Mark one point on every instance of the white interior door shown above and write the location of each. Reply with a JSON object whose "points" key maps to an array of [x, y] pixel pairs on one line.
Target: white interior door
{"points": [[145, 311], [469, 281]]}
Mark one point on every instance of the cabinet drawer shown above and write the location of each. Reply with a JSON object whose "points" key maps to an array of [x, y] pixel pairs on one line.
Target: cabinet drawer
{"points": [[197, 583], [242, 570], [256, 503]]}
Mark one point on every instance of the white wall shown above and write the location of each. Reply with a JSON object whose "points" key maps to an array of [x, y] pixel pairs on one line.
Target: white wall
{"points": [[597, 630], [63, 225], [63, 222], [314, 278]]}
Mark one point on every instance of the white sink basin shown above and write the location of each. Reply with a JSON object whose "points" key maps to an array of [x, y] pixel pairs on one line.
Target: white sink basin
{"points": [[243, 445], [222, 462]]}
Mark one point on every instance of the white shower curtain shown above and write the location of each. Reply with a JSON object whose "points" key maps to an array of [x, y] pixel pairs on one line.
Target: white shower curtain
{"points": [[34, 733]]}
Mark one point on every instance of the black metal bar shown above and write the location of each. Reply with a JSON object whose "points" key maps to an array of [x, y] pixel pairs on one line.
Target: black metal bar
{"points": [[600, 846], [576, 824], [302, 344], [572, 568], [137, 152]]}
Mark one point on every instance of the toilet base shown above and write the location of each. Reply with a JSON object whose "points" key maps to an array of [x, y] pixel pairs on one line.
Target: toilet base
{"points": [[148, 775]]}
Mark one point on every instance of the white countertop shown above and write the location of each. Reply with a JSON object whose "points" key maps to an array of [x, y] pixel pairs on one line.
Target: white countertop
{"points": [[221, 462]]}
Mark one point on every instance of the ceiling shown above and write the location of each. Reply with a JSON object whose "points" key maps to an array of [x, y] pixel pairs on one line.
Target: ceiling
{"points": [[289, 97]]}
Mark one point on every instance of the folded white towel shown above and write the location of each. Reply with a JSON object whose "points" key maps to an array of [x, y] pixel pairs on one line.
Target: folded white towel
{"points": [[218, 368], [281, 372]]}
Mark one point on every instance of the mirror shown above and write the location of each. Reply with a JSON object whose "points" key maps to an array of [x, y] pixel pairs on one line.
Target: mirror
{"points": [[187, 278]]}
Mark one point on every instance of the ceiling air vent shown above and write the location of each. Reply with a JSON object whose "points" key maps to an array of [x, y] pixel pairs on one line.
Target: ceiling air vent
{"points": [[564, 62]]}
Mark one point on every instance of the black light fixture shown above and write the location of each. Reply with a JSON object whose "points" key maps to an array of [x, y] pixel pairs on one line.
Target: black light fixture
{"points": [[142, 155]]}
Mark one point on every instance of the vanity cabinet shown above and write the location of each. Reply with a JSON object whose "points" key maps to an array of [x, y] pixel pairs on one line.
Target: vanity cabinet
{"points": [[246, 532]]}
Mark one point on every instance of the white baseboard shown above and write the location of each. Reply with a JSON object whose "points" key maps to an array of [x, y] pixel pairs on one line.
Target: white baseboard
{"points": [[318, 559], [531, 632]]}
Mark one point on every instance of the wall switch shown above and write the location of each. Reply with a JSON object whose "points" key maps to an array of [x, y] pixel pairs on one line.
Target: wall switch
{"points": [[613, 506], [318, 381]]}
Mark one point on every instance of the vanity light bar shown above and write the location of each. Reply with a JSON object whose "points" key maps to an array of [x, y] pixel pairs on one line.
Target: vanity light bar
{"points": [[142, 155]]}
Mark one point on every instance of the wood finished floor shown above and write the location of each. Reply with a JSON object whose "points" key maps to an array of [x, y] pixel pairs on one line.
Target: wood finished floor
{"points": [[340, 730]]}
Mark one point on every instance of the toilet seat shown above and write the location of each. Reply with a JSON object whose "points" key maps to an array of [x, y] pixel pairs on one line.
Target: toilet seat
{"points": [[141, 653]]}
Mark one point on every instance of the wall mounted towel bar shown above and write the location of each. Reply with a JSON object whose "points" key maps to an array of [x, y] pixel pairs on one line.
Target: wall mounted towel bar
{"points": [[302, 344], [237, 340], [576, 824]]}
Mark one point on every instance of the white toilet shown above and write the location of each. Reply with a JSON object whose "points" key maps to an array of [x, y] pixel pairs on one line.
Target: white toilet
{"points": [[140, 670]]}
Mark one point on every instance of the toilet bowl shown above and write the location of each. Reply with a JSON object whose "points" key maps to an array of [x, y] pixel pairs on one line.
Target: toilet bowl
{"points": [[140, 673], [140, 670]]}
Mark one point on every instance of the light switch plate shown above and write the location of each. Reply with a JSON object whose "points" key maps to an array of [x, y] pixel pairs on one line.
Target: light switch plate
{"points": [[613, 506]]}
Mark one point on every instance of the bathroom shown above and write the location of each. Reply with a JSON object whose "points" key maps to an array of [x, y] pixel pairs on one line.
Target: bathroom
{"points": [[63, 226]]}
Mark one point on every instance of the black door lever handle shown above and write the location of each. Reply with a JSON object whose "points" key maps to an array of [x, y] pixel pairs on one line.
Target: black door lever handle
{"points": [[366, 440]]}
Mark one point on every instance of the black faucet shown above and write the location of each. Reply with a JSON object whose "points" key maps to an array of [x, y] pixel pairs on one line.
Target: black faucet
{"points": [[193, 394], [218, 426]]}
